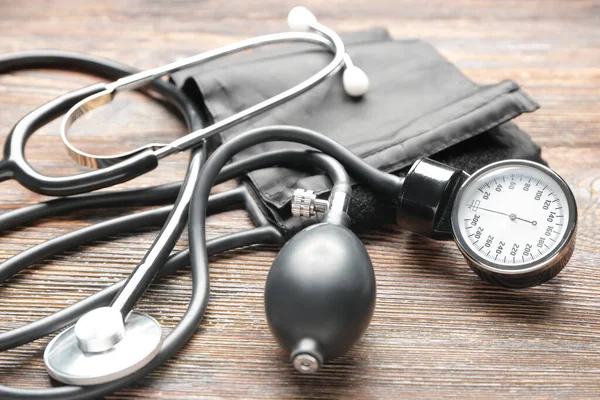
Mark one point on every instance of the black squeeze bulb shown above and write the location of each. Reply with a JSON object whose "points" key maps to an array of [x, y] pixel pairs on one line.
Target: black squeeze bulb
{"points": [[320, 294]]}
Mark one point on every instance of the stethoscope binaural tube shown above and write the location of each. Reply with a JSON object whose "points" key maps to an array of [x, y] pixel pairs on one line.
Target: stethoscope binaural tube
{"points": [[354, 80]]}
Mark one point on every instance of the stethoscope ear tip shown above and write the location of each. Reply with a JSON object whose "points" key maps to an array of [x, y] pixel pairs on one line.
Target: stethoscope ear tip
{"points": [[355, 81], [300, 19]]}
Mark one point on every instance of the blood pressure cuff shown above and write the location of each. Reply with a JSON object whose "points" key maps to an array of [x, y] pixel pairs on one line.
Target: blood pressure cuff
{"points": [[418, 104]]}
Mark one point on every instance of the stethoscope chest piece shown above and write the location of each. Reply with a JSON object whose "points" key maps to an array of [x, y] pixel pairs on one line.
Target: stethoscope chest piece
{"points": [[67, 362]]}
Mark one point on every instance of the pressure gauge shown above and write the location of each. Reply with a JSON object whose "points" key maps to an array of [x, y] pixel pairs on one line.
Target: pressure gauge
{"points": [[515, 223]]}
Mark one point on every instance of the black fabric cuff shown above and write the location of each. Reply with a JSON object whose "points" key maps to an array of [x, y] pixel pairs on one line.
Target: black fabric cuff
{"points": [[418, 105]]}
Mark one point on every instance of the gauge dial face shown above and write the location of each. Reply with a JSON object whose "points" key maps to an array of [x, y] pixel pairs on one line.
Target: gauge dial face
{"points": [[513, 215]]}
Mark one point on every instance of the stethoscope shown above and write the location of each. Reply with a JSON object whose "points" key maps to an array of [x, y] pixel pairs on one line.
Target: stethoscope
{"points": [[120, 168], [110, 345], [320, 291]]}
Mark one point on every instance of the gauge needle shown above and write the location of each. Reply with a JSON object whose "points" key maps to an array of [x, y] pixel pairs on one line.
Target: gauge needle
{"points": [[511, 216], [534, 223]]}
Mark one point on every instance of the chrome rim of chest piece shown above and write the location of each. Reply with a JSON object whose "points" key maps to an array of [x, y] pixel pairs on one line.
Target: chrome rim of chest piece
{"points": [[68, 363]]}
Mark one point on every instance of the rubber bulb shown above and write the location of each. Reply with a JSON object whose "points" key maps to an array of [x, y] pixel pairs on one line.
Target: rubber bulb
{"points": [[320, 294]]}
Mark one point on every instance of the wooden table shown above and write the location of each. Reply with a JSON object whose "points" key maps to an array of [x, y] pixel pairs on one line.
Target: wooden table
{"points": [[438, 329]]}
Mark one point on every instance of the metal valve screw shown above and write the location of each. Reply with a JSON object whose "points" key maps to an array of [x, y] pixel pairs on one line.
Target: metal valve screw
{"points": [[306, 204]]}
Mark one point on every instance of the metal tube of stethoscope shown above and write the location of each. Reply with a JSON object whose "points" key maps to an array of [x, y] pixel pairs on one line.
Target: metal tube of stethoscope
{"points": [[142, 78], [299, 19], [355, 84]]}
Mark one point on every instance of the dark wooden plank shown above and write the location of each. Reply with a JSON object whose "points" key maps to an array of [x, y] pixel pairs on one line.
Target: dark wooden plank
{"points": [[438, 330]]}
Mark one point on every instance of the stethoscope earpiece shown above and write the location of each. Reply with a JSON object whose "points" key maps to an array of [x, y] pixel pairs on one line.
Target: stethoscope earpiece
{"points": [[355, 81], [300, 19]]}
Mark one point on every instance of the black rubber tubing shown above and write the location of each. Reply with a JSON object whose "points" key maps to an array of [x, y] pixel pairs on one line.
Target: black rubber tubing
{"points": [[69, 315], [264, 234], [15, 164], [157, 195], [198, 251], [217, 203]]}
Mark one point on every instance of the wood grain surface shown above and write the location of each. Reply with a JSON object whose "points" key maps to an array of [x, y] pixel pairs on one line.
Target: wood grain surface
{"points": [[438, 329]]}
